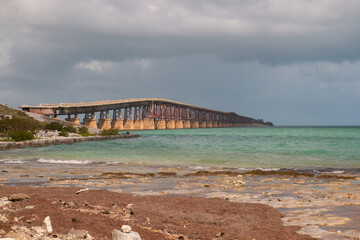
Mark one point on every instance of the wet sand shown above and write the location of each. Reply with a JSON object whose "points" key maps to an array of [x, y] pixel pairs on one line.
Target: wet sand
{"points": [[297, 205]]}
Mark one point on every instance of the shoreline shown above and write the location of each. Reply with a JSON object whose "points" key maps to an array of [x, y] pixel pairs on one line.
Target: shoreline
{"points": [[321, 205], [64, 140]]}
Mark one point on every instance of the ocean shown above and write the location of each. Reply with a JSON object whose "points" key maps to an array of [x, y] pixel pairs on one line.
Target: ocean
{"points": [[336, 148]]}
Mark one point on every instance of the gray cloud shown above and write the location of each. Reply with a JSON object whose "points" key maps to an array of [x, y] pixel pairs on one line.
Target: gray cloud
{"points": [[284, 61]]}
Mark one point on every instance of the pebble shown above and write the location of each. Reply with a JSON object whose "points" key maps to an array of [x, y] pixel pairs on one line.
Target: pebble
{"points": [[125, 228], [118, 235]]}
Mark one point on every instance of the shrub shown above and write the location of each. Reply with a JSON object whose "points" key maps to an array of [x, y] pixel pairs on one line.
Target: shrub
{"points": [[54, 126], [63, 133], [21, 135], [108, 132], [70, 129], [83, 130]]}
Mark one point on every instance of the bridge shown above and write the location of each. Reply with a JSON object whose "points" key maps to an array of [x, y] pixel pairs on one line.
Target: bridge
{"points": [[143, 113]]}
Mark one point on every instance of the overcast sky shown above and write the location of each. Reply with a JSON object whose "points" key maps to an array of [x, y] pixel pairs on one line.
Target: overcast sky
{"points": [[289, 62]]}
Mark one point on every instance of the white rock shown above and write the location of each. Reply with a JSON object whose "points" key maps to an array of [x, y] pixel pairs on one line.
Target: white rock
{"points": [[82, 190], [118, 235], [125, 228], [47, 224]]}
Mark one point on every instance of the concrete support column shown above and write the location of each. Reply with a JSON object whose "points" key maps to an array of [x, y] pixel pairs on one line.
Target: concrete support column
{"points": [[214, 125], [149, 124], [202, 125], [195, 124], [209, 125], [129, 124], [117, 124], [187, 124], [160, 124], [91, 122], [105, 123], [138, 124], [179, 124], [73, 120], [170, 124]]}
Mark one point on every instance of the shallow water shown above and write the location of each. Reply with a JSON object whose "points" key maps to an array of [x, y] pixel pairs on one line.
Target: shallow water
{"points": [[278, 147]]}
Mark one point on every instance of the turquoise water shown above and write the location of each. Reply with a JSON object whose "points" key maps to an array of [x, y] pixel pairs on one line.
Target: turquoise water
{"points": [[290, 147]]}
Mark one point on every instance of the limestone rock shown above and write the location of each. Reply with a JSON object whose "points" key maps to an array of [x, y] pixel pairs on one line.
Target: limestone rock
{"points": [[126, 228], [3, 218], [47, 224], [78, 234], [118, 235], [4, 201], [82, 190], [18, 197]]}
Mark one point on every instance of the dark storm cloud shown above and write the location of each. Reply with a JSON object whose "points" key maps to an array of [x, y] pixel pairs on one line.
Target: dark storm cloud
{"points": [[286, 61]]}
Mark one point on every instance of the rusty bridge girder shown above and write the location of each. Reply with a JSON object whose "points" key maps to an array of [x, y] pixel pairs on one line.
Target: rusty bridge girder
{"points": [[143, 112]]}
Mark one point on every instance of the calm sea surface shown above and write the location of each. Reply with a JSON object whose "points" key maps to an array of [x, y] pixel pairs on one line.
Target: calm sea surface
{"points": [[278, 147]]}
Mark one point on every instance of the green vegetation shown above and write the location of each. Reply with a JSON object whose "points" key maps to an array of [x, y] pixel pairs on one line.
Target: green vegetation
{"points": [[21, 135], [63, 133], [108, 132], [19, 121], [54, 126], [22, 127], [83, 130], [70, 129]]}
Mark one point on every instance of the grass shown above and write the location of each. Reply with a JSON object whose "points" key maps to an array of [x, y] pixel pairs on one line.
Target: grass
{"points": [[20, 121]]}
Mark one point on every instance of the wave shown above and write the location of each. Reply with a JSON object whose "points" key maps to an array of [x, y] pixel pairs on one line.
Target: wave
{"points": [[58, 161], [11, 161]]}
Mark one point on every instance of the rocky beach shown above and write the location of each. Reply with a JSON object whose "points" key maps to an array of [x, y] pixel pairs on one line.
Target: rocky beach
{"points": [[178, 203]]}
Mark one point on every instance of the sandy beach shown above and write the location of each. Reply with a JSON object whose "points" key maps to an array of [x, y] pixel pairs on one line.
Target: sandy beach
{"points": [[180, 203]]}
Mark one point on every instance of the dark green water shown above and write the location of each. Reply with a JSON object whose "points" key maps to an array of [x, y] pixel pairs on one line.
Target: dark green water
{"points": [[291, 147]]}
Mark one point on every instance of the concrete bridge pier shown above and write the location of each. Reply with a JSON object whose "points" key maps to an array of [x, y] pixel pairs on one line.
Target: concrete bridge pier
{"points": [[75, 120], [209, 125], [129, 124], [195, 124], [160, 124], [117, 124], [105, 123], [187, 124], [148, 124], [138, 124], [214, 125], [202, 125], [179, 124], [170, 124]]}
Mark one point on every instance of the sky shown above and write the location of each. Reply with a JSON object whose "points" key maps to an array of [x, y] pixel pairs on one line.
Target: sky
{"points": [[288, 62]]}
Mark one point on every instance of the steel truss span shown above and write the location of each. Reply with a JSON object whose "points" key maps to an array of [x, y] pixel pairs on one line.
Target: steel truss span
{"points": [[142, 113]]}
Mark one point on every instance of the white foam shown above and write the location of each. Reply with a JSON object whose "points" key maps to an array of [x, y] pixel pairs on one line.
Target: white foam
{"points": [[269, 169], [198, 167], [58, 161], [12, 161], [338, 172]]}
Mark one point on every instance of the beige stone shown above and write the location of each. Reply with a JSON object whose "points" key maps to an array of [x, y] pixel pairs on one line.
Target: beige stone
{"points": [[129, 124], [138, 124], [179, 124], [170, 124], [117, 124], [105, 123], [91, 122], [148, 124], [202, 125], [187, 124], [160, 124], [195, 124]]}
